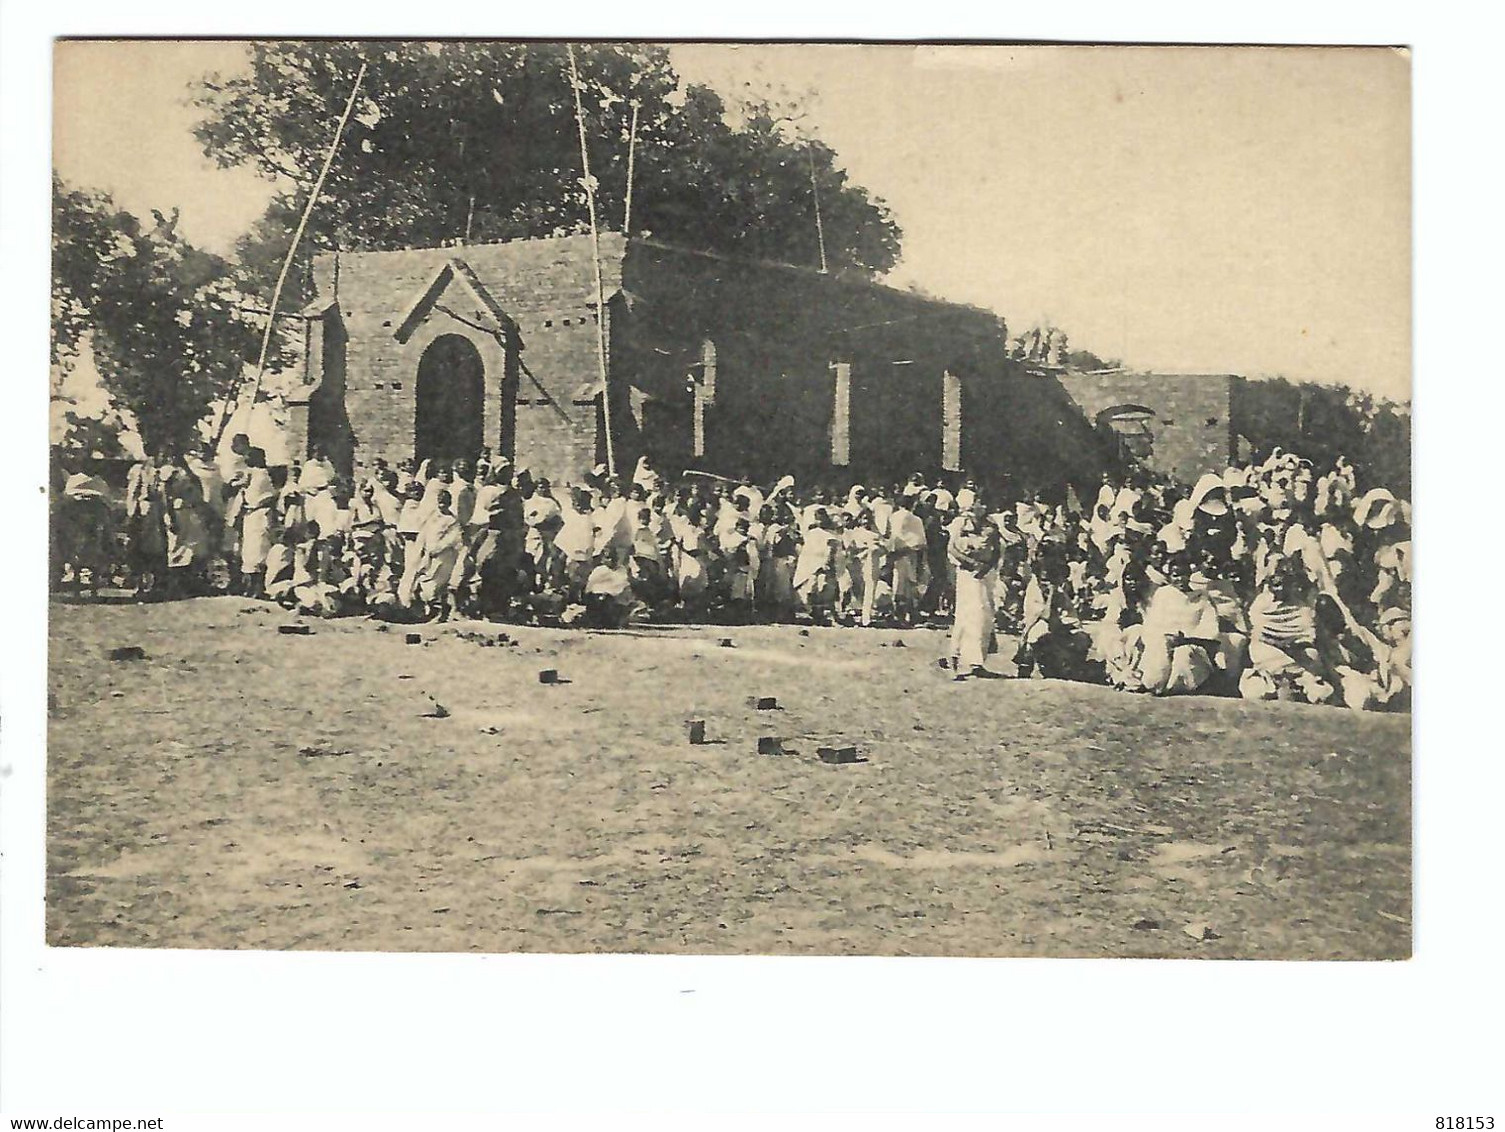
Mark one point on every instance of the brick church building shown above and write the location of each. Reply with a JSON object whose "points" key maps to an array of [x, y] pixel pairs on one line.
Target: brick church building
{"points": [[739, 368]]}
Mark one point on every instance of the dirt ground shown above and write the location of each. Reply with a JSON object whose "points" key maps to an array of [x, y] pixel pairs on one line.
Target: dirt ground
{"points": [[241, 788]]}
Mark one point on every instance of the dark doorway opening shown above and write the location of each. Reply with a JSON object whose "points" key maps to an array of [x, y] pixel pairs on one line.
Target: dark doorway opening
{"points": [[1132, 427], [451, 393]]}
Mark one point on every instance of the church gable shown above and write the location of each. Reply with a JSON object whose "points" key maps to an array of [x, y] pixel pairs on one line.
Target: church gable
{"points": [[453, 290]]}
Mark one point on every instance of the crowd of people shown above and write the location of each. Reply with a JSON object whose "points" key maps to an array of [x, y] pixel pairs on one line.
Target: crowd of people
{"points": [[1263, 580]]}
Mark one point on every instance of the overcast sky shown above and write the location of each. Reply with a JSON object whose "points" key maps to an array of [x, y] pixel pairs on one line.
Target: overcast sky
{"points": [[1193, 209]]}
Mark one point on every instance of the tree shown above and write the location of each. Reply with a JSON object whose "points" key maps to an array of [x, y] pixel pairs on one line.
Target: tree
{"points": [[1088, 362], [164, 320], [1050, 346], [478, 140]]}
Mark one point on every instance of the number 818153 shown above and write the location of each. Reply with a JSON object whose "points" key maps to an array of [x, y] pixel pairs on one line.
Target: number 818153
{"points": [[1466, 1123]]}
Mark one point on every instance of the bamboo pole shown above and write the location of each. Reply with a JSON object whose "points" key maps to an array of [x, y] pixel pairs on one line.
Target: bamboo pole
{"points": [[820, 228], [632, 145], [287, 262], [590, 202]]}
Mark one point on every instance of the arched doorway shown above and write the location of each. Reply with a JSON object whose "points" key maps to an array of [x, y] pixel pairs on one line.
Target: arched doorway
{"points": [[1132, 428], [449, 422]]}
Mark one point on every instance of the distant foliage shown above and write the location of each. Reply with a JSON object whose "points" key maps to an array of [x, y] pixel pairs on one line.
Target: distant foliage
{"points": [[480, 138], [1087, 361], [163, 319], [1322, 422], [1050, 346]]}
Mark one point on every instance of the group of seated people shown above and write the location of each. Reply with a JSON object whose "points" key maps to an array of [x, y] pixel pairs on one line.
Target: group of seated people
{"points": [[1268, 580]]}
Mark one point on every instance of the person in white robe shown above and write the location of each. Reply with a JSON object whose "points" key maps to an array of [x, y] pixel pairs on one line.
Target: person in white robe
{"points": [[646, 564], [690, 548], [974, 550], [865, 554], [750, 495], [462, 493], [645, 477], [907, 543], [1283, 656], [576, 540], [1382, 519], [1181, 636], [733, 510], [613, 523], [433, 557], [881, 506], [257, 499], [779, 546], [743, 560], [543, 517], [368, 545], [609, 601], [815, 569], [1376, 675]]}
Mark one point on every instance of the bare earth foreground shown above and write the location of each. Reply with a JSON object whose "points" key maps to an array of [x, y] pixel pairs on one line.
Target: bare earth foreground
{"points": [[240, 788]]}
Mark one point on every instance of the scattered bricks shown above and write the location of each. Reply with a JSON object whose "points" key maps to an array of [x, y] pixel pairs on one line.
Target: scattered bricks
{"points": [[696, 730], [294, 630], [770, 745], [413, 639], [127, 652], [548, 676], [763, 703], [837, 755]]}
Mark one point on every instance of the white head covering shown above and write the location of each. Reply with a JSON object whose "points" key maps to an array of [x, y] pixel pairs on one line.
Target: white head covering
{"points": [[644, 476], [80, 485], [1377, 510], [1210, 495]]}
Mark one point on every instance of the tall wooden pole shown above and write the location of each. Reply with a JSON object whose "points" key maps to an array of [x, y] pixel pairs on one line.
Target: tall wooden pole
{"points": [[820, 228], [292, 250], [590, 203], [632, 145]]}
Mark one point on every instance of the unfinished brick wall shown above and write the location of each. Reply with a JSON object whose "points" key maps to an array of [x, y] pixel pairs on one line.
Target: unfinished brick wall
{"points": [[537, 409], [1193, 428], [774, 333], [778, 332]]}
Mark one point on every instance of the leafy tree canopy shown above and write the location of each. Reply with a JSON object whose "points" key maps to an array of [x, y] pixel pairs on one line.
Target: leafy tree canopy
{"points": [[166, 325], [458, 138]]}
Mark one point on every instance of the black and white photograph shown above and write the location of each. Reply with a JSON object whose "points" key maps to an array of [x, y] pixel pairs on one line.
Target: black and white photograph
{"points": [[732, 499]]}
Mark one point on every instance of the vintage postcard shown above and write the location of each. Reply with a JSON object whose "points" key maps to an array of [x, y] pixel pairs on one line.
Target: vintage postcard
{"points": [[731, 498]]}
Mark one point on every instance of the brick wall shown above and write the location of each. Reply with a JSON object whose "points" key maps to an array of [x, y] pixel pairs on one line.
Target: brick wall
{"points": [[776, 330], [532, 410], [1192, 427]]}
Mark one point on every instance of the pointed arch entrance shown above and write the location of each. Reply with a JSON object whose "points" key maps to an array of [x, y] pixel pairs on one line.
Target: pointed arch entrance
{"points": [[449, 421]]}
